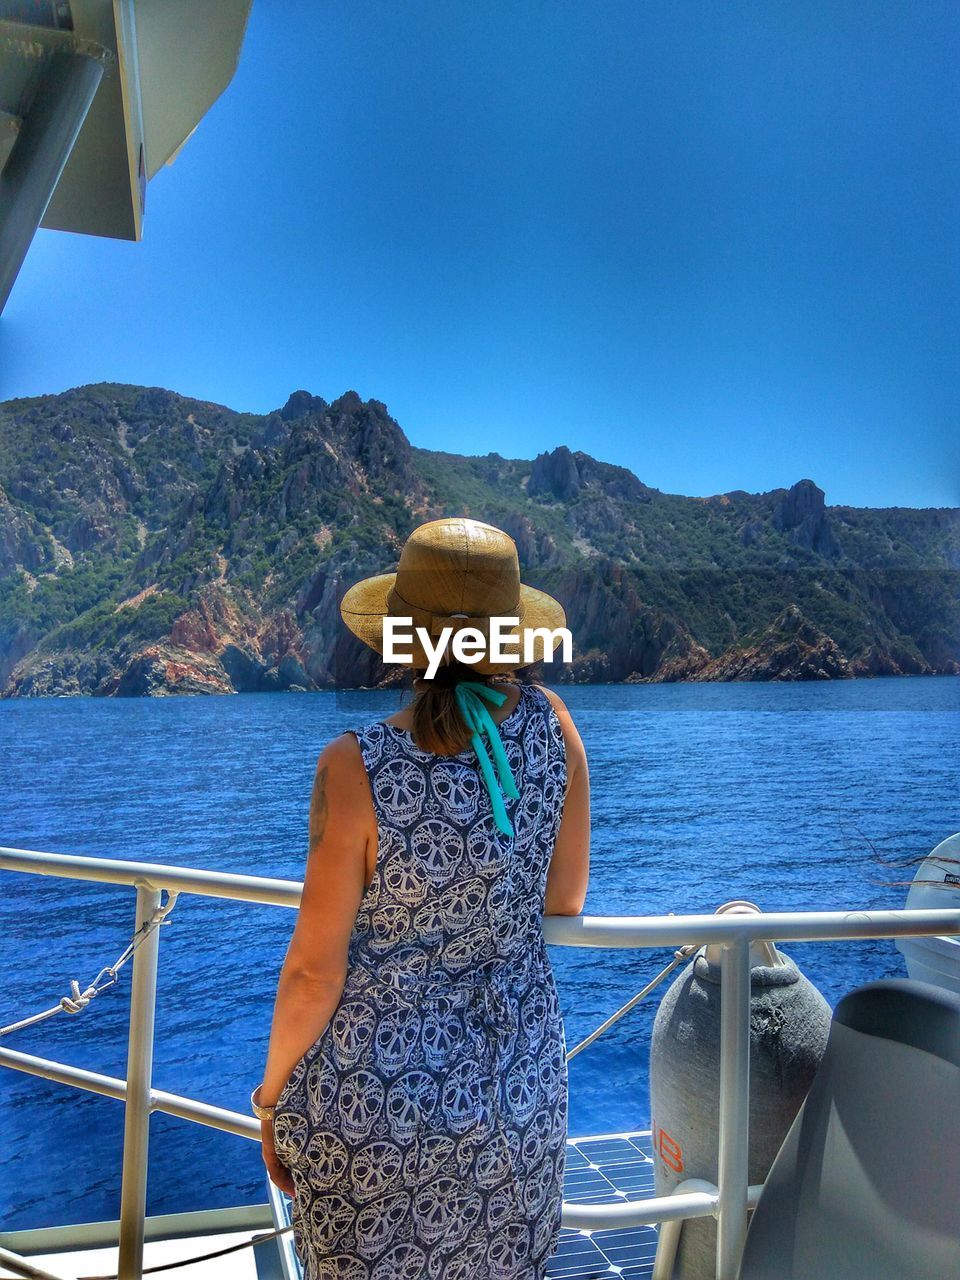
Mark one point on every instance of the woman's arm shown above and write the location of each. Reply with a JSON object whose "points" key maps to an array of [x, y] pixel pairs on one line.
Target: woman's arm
{"points": [[569, 871], [342, 826]]}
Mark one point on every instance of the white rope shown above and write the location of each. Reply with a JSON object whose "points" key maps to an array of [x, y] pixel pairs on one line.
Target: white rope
{"points": [[678, 958], [78, 999]]}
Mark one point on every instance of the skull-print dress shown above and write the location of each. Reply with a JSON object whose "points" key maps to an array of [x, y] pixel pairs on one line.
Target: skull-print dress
{"points": [[425, 1129]]}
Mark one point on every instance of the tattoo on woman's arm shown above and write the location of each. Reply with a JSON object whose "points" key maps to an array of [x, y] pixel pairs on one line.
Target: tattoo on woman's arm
{"points": [[318, 807]]}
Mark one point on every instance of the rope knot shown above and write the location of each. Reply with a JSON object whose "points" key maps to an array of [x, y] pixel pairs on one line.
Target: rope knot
{"points": [[78, 1000]]}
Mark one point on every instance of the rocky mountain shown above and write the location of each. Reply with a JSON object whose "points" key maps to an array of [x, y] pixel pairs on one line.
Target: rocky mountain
{"points": [[153, 544]]}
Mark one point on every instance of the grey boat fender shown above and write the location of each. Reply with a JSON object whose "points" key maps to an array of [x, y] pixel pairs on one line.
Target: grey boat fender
{"points": [[789, 1026]]}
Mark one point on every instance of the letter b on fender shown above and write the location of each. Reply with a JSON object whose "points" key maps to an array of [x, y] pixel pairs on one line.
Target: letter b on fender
{"points": [[669, 1150]]}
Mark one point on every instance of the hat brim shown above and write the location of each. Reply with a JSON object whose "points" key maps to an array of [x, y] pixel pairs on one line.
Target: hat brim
{"points": [[364, 608]]}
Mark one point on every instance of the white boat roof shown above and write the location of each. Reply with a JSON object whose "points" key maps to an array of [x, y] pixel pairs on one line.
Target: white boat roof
{"points": [[166, 63]]}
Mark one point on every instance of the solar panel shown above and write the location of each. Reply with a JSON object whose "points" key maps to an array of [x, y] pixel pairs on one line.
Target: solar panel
{"points": [[600, 1169]]}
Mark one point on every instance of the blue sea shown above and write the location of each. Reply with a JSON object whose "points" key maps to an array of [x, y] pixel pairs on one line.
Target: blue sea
{"points": [[809, 796]]}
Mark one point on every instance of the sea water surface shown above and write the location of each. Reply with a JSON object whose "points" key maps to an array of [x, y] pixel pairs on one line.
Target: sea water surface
{"points": [[795, 796]]}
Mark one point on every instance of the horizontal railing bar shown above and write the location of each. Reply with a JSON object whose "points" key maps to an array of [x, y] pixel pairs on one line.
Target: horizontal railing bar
{"points": [[155, 875], [768, 926], [63, 1073], [166, 1226], [669, 1237], [173, 1104], [638, 1213], [576, 931]]}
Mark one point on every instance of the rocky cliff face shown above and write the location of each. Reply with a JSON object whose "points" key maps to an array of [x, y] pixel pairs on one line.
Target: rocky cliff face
{"points": [[154, 544], [801, 512], [791, 648], [564, 475]]}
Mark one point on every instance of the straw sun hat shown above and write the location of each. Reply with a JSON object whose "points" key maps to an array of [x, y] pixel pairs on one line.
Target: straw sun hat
{"points": [[457, 573]]}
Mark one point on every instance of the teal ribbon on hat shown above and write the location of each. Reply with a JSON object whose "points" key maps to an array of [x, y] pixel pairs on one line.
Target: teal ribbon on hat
{"points": [[470, 695]]}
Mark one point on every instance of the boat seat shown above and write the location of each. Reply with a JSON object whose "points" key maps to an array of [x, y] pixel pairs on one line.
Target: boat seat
{"points": [[866, 1181]]}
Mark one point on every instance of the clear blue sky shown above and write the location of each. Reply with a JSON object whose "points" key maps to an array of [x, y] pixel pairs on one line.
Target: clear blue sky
{"points": [[714, 241]]}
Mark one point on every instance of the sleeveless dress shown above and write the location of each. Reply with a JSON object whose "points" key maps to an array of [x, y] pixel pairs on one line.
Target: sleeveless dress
{"points": [[426, 1128]]}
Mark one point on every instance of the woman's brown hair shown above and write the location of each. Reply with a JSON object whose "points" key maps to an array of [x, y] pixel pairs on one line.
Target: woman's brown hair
{"points": [[437, 724]]}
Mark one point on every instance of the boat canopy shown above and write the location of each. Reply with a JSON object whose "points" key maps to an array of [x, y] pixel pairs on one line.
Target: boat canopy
{"points": [[95, 97]]}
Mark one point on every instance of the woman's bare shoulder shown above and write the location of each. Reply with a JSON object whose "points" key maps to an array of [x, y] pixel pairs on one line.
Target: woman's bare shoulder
{"points": [[556, 702], [341, 788], [570, 733], [342, 756]]}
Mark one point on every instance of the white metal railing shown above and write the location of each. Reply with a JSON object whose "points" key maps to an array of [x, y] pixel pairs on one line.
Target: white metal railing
{"points": [[728, 1201]]}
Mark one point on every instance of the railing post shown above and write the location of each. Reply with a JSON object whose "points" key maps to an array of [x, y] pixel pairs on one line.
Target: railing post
{"points": [[136, 1129], [734, 1154]]}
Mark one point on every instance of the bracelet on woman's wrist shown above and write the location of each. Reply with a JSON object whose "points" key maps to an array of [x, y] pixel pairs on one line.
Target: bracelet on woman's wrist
{"points": [[261, 1112]]}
